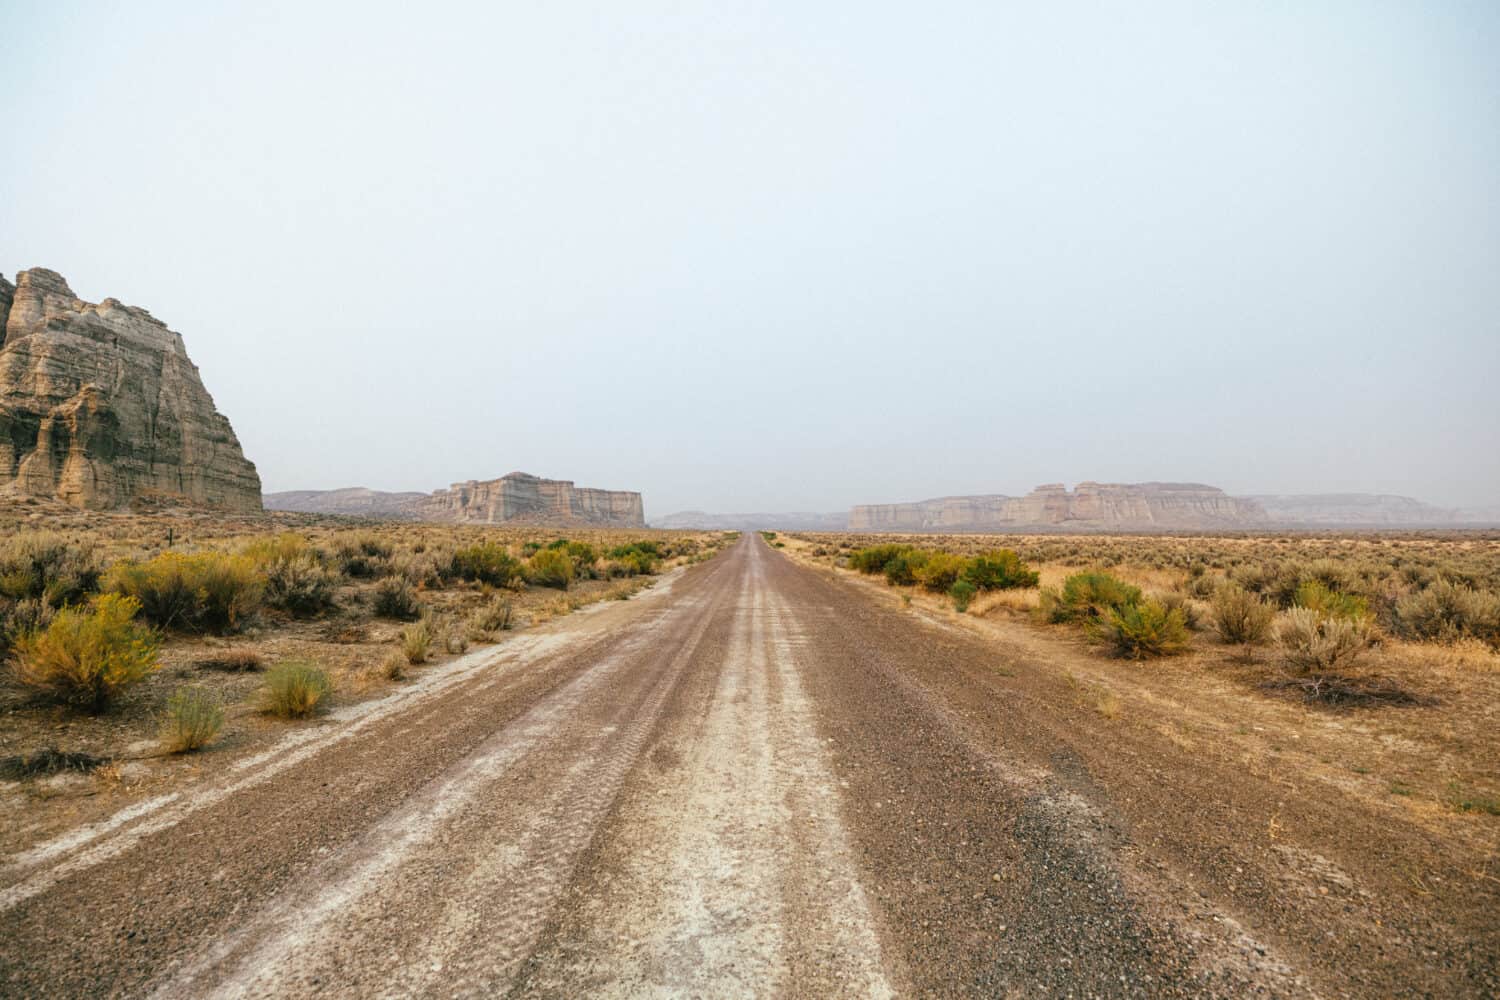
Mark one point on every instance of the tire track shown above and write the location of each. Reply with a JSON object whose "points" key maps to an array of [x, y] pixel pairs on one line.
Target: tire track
{"points": [[436, 903]]}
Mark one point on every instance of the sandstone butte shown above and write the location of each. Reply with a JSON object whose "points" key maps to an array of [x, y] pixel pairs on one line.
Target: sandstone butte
{"points": [[521, 497], [1092, 506], [515, 498], [100, 405]]}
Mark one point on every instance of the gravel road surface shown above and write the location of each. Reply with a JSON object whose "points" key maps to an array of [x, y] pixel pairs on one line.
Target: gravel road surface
{"points": [[752, 780]]}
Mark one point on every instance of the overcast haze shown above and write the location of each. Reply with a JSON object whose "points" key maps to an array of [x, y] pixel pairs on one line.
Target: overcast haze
{"points": [[792, 256]]}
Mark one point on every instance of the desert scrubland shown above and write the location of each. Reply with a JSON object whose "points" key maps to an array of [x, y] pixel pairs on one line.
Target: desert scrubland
{"points": [[144, 646]]}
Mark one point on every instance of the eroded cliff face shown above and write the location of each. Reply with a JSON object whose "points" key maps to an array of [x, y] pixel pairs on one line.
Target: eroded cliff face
{"points": [[519, 497], [1092, 507], [99, 404]]}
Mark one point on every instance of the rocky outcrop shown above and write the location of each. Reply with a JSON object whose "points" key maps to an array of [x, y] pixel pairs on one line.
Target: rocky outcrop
{"points": [[525, 498], [516, 498], [355, 501], [1090, 507], [99, 405]]}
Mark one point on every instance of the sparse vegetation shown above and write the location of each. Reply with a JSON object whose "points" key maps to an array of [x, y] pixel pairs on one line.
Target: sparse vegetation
{"points": [[193, 719], [87, 655], [1446, 612], [487, 562], [550, 568], [1314, 642], [396, 598], [1087, 597], [46, 566], [962, 593], [1146, 629], [1240, 617], [203, 592], [416, 641], [295, 689]]}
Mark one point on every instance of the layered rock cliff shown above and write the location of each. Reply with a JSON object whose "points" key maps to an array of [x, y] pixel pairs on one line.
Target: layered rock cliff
{"points": [[518, 497], [99, 404], [1091, 507], [527, 498]]}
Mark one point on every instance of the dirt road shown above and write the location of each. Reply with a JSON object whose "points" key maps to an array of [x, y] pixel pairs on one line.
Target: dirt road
{"points": [[753, 780]]}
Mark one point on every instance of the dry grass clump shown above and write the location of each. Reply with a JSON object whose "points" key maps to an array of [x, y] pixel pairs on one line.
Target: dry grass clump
{"points": [[416, 641], [496, 615], [295, 689], [193, 718], [85, 656]]}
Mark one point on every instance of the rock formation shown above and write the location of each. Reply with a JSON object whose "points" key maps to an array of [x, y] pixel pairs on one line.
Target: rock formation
{"points": [[99, 405], [515, 498], [1091, 507], [527, 498]]}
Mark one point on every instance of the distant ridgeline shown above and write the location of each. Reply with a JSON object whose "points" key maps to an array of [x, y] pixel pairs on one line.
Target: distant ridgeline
{"points": [[1148, 507], [517, 498]]}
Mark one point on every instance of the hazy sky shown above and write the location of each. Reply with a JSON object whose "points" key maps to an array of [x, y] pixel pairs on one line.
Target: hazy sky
{"points": [[792, 256]]}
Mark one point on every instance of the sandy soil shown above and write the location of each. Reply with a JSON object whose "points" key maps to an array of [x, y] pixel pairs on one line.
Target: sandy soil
{"points": [[756, 779]]}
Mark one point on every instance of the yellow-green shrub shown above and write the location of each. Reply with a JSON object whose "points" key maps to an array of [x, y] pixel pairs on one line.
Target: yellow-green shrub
{"points": [[198, 592], [192, 721], [295, 689], [1146, 629], [1001, 569], [940, 571], [1087, 597], [85, 656], [550, 568]]}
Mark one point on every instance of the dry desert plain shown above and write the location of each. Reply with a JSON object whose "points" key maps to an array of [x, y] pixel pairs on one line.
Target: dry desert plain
{"points": [[758, 772]]}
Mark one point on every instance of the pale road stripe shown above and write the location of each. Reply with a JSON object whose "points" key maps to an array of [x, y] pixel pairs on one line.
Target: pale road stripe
{"points": [[852, 926], [734, 867], [290, 750], [298, 934]]}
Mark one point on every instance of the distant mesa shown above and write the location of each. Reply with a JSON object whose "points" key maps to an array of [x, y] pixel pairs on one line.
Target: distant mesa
{"points": [[1345, 510], [1092, 506], [100, 406], [1152, 507], [516, 498]]}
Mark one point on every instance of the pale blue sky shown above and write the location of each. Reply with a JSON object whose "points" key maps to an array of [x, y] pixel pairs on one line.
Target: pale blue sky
{"points": [[792, 256]]}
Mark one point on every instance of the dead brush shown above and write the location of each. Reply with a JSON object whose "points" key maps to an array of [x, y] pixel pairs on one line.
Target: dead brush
{"points": [[233, 661]]}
